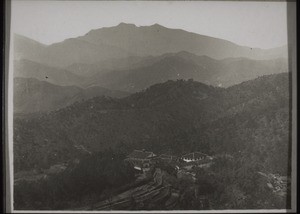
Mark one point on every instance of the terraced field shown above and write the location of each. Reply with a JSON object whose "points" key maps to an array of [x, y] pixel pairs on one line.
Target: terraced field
{"points": [[147, 196], [138, 197]]}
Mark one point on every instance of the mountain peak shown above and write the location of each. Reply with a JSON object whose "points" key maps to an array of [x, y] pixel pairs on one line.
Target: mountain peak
{"points": [[18, 37], [123, 24], [156, 25], [185, 53]]}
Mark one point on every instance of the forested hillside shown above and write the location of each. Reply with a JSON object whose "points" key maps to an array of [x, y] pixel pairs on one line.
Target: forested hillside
{"points": [[250, 120]]}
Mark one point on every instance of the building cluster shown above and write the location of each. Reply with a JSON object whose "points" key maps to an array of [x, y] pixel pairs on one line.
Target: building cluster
{"points": [[143, 160]]}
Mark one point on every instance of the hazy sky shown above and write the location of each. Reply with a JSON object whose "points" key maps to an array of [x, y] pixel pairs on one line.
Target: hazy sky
{"points": [[253, 24]]}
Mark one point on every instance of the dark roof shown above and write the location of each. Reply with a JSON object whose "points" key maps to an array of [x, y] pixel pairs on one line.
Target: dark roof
{"points": [[140, 154], [194, 155]]}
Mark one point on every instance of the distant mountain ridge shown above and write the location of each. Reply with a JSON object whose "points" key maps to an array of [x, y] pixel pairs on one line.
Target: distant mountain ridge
{"points": [[29, 69], [184, 65], [32, 95], [157, 40], [126, 40], [133, 74], [26, 48]]}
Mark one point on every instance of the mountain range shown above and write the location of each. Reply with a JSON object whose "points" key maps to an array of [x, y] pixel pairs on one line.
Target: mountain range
{"points": [[33, 80], [127, 59], [184, 65], [129, 40]]}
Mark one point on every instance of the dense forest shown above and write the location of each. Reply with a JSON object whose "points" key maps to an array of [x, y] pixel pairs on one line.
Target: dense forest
{"points": [[175, 116], [94, 175]]}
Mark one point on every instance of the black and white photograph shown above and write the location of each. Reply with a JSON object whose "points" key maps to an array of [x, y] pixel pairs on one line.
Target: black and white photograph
{"points": [[144, 106]]}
